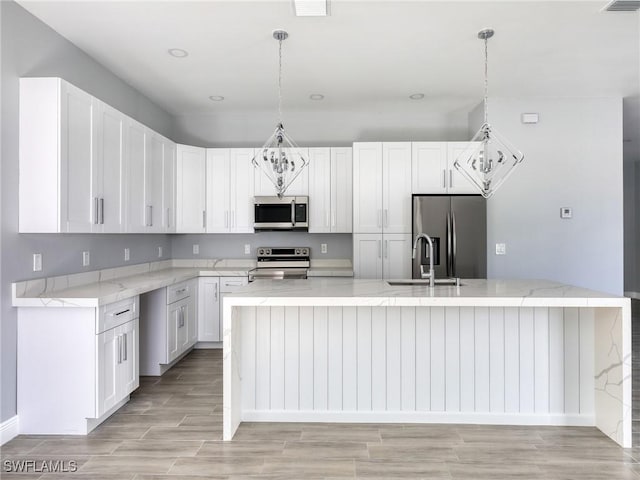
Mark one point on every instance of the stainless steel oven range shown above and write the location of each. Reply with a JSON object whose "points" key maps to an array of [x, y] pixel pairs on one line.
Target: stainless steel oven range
{"points": [[279, 263]]}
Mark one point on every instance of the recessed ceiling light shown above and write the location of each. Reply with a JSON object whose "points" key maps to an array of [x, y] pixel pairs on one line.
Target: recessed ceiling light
{"points": [[417, 96], [316, 96], [310, 8], [216, 98], [178, 52]]}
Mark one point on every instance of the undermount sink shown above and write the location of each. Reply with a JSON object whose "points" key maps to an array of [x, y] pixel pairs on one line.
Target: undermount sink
{"points": [[425, 283]]}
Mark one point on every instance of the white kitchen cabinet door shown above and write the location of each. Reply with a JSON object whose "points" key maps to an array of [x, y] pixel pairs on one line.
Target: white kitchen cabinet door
{"points": [[209, 309], [396, 256], [367, 256], [341, 190], [190, 187], [175, 339], [135, 151], [169, 194], [242, 193], [320, 190], [218, 190], [396, 190], [78, 142], [108, 352], [154, 183], [457, 183], [367, 187], [430, 169], [191, 318], [129, 367], [110, 180]]}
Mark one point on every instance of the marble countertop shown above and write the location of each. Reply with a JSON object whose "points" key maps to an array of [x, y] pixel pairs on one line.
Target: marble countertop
{"points": [[472, 292]]}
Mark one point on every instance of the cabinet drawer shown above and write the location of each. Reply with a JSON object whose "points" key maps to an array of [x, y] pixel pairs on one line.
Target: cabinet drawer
{"points": [[179, 291], [231, 284], [117, 313]]}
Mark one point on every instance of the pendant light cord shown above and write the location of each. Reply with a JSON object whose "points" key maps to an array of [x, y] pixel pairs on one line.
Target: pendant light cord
{"points": [[486, 80], [280, 81]]}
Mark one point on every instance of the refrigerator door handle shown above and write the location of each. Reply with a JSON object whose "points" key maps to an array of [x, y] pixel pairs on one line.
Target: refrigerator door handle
{"points": [[449, 259], [453, 244]]}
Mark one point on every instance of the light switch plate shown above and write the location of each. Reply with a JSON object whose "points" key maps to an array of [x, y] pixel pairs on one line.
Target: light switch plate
{"points": [[159, 251], [530, 118], [127, 254], [566, 212], [86, 259], [323, 248], [196, 249], [37, 262], [501, 248], [247, 249]]}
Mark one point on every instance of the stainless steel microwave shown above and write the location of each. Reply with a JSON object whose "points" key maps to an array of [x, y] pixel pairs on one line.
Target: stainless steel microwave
{"points": [[281, 213]]}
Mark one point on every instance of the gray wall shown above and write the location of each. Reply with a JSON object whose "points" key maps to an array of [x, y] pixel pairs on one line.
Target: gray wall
{"points": [[320, 128], [339, 245], [573, 158], [30, 48]]}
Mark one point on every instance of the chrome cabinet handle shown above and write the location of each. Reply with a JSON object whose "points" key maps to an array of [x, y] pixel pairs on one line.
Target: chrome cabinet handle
{"points": [[95, 210], [101, 211], [119, 349], [386, 217], [204, 219], [149, 222], [123, 311], [386, 249], [124, 348], [181, 290], [450, 178], [232, 223], [379, 246], [216, 292], [444, 178], [333, 219]]}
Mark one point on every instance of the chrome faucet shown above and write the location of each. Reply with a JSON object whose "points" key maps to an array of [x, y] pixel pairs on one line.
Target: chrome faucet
{"points": [[431, 274]]}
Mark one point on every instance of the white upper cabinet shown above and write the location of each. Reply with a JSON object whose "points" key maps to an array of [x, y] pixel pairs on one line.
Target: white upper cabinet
{"points": [[110, 179], [433, 169], [264, 186], [341, 190], [169, 201], [154, 183], [457, 182], [396, 187], [58, 155], [229, 190], [135, 141], [191, 189], [367, 187], [330, 190], [320, 190], [382, 187]]}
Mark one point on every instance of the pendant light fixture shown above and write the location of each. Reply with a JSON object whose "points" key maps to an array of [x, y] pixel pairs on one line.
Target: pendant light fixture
{"points": [[280, 158], [489, 159]]}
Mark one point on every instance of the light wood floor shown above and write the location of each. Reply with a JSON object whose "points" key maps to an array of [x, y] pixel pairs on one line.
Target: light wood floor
{"points": [[172, 428]]}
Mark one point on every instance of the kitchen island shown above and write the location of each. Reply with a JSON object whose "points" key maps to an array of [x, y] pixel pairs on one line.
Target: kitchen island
{"points": [[487, 352]]}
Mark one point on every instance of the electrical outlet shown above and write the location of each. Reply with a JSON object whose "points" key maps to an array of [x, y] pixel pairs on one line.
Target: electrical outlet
{"points": [[37, 262], [127, 254], [86, 259], [159, 251], [566, 212], [323, 248], [247, 249], [196, 249], [501, 248]]}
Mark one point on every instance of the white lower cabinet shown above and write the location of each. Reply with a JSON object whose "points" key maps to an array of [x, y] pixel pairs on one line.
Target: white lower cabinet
{"points": [[382, 256], [168, 326], [210, 293], [90, 366]]}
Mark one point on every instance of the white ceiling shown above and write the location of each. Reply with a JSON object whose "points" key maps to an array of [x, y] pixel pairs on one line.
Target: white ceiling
{"points": [[365, 56]]}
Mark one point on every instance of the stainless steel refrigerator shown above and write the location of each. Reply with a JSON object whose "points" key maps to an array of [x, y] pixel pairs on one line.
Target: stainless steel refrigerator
{"points": [[457, 224]]}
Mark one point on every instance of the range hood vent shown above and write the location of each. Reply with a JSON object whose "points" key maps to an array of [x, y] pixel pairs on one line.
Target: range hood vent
{"points": [[622, 6]]}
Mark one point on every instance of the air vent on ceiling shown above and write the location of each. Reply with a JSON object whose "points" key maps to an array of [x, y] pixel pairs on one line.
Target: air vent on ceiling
{"points": [[310, 8], [622, 6]]}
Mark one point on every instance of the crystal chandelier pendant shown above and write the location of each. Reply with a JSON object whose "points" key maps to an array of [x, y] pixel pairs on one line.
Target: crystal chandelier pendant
{"points": [[489, 159], [280, 160]]}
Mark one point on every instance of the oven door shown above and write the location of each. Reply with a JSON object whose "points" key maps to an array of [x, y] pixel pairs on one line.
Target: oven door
{"points": [[286, 213]]}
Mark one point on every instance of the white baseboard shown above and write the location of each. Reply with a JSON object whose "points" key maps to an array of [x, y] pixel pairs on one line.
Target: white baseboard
{"points": [[8, 429], [419, 417], [635, 295]]}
